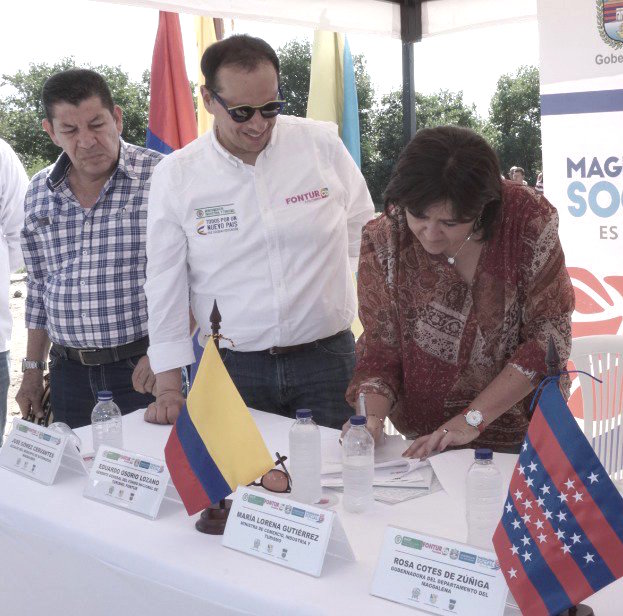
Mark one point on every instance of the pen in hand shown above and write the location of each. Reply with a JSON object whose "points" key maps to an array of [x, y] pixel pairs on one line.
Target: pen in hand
{"points": [[362, 405], [361, 410]]}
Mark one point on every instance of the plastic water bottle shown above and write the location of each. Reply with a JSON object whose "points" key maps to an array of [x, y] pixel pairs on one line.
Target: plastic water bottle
{"points": [[305, 458], [484, 499], [358, 466], [106, 422], [63, 428]]}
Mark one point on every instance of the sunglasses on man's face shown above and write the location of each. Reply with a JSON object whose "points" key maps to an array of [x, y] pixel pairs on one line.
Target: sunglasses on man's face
{"points": [[276, 480], [243, 113]]}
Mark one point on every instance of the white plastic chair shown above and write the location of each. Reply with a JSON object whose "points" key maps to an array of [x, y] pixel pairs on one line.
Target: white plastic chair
{"points": [[389, 428], [602, 356]]}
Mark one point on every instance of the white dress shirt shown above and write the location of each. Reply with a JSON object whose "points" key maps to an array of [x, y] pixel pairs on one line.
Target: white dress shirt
{"points": [[13, 185], [273, 243]]}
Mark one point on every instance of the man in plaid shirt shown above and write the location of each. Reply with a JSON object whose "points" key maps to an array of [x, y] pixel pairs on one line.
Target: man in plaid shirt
{"points": [[84, 248]]}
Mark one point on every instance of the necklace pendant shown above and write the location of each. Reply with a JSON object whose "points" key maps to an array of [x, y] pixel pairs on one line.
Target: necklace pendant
{"points": [[451, 260]]}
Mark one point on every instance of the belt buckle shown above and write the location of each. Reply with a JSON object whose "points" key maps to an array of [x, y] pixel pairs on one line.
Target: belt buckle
{"points": [[273, 351], [81, 354]]}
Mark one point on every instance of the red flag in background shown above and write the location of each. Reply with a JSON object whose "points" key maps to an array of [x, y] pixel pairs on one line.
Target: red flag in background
{"points": [[172, 120]]}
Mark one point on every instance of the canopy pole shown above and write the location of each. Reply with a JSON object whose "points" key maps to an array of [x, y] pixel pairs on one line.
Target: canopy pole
{"points": [[410, 33]]}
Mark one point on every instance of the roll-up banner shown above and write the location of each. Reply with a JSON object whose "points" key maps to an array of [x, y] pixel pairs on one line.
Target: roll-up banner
{"points": [[581, 55]]}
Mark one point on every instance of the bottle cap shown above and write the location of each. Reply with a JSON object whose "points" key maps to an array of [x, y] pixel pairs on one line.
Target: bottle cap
{"points": [[303, 414], [483, 454], [104, 395], [357, 420]]}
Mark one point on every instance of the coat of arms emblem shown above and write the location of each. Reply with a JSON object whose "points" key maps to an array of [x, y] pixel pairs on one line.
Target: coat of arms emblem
{"points": [[610, 22]]}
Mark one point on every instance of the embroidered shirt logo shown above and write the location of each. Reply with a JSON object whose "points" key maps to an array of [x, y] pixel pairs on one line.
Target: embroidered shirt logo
{"points": [[312, 195], [216, 219]]}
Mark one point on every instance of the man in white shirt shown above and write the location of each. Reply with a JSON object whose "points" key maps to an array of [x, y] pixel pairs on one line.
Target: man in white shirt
{"points": [[263, 215], [13, 185]]}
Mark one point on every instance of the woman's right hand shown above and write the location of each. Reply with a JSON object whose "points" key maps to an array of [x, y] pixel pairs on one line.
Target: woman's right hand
{"points": [[374, 425]]}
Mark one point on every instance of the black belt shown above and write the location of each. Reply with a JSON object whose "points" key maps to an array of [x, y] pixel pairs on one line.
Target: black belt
{"points": [[97, 357], [302, 347]]}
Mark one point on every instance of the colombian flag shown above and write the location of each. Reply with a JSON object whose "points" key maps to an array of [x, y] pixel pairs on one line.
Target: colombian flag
{"points": [[215, 445], [332, 88], [172, 121]]}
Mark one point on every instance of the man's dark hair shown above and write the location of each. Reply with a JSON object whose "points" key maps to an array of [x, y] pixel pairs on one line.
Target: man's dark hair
{"points": [[74, 86], [448, 163], [242, 50]]}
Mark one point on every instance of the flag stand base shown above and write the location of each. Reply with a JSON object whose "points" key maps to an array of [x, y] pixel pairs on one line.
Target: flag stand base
{"points": [[578, 610], [214, 518]]}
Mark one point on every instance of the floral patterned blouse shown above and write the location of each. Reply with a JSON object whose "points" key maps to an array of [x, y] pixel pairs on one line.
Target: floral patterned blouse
{"points": [[432, 342]]}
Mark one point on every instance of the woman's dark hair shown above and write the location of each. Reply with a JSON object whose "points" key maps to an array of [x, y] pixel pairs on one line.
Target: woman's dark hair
{"points": [[74, 86], [448, 163], [242, 50]]}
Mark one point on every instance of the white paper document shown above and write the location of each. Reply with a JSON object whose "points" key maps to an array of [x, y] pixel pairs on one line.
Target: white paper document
{"points": [[403, 472], [454, 483], [391, 448], [393, 496]]}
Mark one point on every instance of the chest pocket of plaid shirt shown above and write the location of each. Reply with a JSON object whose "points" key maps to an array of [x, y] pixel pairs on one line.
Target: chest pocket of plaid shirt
{"points": [[56, 235], [130, 231]]}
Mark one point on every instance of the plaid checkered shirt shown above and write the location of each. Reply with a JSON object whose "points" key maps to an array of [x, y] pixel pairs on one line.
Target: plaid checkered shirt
{"points": [[86, 267]]}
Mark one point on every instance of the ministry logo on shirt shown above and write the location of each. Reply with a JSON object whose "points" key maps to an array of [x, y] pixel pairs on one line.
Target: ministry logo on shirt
{"points": [[307, 197], [216, 219]]}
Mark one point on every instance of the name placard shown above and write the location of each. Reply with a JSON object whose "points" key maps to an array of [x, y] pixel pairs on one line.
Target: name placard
{"points": [[127, 480], [285, 532], [33, 451], [438, 575]]}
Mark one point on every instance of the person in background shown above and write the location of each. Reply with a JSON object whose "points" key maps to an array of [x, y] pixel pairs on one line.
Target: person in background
{"points": [[462, 283], [13, 184], [539, 182], [518, 175], [84, 247], [263, 215]]}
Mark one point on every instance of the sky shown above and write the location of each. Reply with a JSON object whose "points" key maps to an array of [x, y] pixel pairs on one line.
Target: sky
{"points": [[101, 33]]}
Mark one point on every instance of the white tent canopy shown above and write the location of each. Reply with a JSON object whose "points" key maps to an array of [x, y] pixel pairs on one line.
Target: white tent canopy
{"points": [[363, 16]]}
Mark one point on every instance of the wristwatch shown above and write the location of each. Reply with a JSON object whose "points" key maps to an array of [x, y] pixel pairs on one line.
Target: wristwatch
{"points": [[30, 364], [474, 419]]}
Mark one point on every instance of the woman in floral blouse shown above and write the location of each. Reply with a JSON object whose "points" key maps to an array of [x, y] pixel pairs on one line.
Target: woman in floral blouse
{"points": [[462, 282]]}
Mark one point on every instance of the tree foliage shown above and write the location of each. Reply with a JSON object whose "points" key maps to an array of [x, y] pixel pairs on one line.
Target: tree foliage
{"points": [[21, 110], [380, 125], [443, 107], [295, 71], [513, 127], [295, 68], [515, 121]]}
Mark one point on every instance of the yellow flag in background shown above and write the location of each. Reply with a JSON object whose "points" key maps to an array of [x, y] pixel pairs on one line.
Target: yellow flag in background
{"points": [[207, 31], [326, 85], [333, 98], [333, 88]]}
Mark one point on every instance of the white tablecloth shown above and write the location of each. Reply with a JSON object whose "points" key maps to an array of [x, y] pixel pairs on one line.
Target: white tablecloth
{"points": [[64, 554]]}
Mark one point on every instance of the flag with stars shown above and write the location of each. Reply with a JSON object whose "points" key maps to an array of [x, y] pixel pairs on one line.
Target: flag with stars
{"points": [[560, 538]]}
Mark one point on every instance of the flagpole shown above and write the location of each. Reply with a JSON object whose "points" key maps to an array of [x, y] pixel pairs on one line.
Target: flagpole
{"points": [[213, 519], [552, 361], [552, 358]]}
